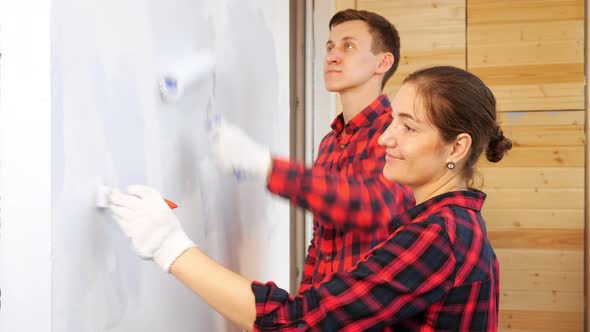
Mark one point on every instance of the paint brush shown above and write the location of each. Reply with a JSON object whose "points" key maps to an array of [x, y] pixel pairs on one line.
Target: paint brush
{"points": [[103, 192], [171, 204]]}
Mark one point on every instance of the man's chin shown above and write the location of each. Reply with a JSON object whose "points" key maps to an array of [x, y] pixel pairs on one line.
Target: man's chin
{"points": [[334, 88]]}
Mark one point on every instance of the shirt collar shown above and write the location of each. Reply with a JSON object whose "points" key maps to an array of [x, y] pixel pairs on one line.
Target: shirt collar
{"points": [[471, 199], [364, 118]]}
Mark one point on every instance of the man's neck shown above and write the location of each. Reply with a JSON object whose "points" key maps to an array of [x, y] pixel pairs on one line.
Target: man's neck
{"points": [[355, 101]]}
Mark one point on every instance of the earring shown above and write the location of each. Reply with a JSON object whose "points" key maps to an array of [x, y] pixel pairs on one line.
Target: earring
{"points": [[451, 165]]}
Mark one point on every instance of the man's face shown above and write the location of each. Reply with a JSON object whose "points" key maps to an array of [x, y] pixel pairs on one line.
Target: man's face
{"points": [[349, 61]]}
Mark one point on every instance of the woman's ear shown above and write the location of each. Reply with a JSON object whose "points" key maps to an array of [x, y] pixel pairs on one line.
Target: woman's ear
{"points": [[386, 62], [460, 148]]}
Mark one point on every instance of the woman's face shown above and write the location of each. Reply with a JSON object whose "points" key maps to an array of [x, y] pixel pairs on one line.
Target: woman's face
{"points": [[416, 154]]}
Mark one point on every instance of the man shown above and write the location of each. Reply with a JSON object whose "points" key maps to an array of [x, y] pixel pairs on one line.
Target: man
{"points": [[352, 203]]}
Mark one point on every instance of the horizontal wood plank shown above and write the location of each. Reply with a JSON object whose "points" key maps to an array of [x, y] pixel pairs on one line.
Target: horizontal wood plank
{"points": [[541, 280], [508, 11], [543, 136], [540, 321], [529, 178], [510, 219], [552, 199], [558, 239], [511, 74], [554, 118], [530, 52], [539, 97], [567, 156], [542, 300], [541, 260], [528, 32]]}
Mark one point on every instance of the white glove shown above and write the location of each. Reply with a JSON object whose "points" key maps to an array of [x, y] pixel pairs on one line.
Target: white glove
{"points": [[146, 219], [238, 153]]}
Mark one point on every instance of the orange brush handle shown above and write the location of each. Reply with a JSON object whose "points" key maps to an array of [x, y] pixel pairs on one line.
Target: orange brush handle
{"points": [[171, 204]]}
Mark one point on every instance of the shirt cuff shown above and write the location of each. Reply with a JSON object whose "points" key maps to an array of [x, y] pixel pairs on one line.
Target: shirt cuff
{"points": [[275, 311], [279, 175], [269, 298]]}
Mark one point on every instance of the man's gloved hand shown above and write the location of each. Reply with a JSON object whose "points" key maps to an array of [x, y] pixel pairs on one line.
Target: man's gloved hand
{"points": [[238, 153], [146, 219]]}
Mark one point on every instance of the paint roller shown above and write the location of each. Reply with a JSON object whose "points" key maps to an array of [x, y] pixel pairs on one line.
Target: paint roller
{"points": [[186, 72]]}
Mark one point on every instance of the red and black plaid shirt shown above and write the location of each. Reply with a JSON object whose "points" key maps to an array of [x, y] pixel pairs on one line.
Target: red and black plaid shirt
{"points": [[351, 201], [436, 272]]}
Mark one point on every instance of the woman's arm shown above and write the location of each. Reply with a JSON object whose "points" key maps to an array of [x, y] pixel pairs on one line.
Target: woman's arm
{"points": [[225, 291], [400, 278], [156, 234]]}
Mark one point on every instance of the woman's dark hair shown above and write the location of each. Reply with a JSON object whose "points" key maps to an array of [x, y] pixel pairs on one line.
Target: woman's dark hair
{"points": [[459, 102]]}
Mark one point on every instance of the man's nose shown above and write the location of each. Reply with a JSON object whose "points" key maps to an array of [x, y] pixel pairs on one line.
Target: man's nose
{"points": [[333, 57]]}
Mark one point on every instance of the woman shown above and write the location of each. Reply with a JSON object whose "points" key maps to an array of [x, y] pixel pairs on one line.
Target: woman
{"points": [[436, 271]]}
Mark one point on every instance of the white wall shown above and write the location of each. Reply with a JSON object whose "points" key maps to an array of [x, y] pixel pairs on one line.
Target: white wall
{"points": [[105, 120], [25, 228]]}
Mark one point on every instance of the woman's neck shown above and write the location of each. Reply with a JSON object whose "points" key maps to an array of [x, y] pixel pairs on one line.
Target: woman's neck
{"points": [[430, 190]]}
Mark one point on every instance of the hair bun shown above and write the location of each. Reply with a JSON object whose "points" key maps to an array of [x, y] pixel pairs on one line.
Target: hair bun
{"points": [[498, 146]]}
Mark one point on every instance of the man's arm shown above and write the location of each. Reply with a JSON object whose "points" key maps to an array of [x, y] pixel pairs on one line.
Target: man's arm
{"points": [[364, 200]]}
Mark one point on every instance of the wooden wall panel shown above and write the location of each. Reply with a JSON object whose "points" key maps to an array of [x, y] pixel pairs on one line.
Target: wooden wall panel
{"points": [[544, 139], [557, 239], [344, 4], [537, 300], [537, 178], [521, 218], [535, 219], [545, 281], [431, 33], [539, 261], [540, 289], [542, 156], [530, 52], [539, 321]]}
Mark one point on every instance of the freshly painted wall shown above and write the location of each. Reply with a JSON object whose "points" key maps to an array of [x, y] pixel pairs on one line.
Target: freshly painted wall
{"points": [[100, 116]]}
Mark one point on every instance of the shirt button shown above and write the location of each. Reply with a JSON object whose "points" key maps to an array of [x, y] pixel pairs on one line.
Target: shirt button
{"points": [[342, 146], [327, 258]]}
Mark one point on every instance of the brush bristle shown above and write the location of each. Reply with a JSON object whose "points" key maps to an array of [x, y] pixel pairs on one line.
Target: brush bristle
{"points": [[102, 196]]}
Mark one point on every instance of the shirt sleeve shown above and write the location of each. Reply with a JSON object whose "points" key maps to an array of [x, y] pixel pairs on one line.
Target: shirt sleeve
{"points": [[364, 200], [401, 277]]}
